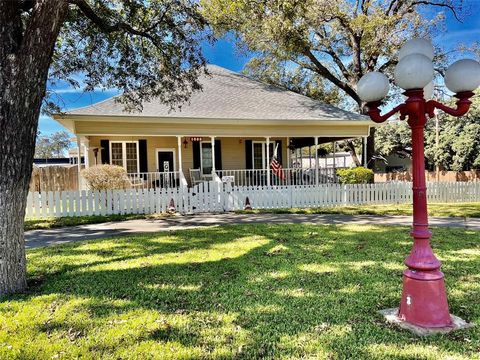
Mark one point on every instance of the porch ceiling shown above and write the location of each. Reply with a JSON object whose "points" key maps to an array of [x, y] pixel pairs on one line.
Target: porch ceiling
{"points": [[310, 141]]}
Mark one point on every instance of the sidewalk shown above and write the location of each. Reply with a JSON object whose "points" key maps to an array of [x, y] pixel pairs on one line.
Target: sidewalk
{"points": [[37, 238]]}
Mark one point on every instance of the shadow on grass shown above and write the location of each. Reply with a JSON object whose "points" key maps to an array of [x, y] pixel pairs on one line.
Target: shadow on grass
{"points": [[258, 290]]}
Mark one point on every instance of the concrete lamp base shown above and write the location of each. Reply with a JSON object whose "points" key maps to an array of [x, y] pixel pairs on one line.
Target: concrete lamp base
{"points": [[391, 316]]}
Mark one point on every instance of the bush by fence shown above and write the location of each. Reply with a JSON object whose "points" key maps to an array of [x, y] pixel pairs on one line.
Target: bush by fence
{"points": [[357, 175], [106, 177]]}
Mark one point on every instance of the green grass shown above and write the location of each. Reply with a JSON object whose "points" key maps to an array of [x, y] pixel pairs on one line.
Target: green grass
{"points": [[50, 223], [434, 209], [243, 291]]}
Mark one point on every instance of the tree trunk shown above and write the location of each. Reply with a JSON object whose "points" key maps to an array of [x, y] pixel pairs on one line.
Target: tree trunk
{"points": [[353, 152], [371, 148], [25, 58]]}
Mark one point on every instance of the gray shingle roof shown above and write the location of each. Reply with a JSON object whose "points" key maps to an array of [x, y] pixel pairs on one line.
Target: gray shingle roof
{"points": [[229, 95]]}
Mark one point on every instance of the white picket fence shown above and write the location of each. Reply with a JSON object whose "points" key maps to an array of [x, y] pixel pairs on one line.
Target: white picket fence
{"points": [[219, 197]]}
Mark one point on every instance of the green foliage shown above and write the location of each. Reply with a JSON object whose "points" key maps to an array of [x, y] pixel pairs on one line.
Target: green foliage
{"points": [[235, 292], [337, 41], [356, 175], [393, 138], [145, 49], [52, 146], [458, 146]]}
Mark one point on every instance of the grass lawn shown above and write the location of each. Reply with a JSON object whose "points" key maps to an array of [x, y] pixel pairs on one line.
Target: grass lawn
{"points": [[50, 223], [239, 291], [434, 209], [461, 210]]}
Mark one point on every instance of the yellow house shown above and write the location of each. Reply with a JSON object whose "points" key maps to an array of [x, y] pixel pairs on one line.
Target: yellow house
{"points": [[230, 130]]}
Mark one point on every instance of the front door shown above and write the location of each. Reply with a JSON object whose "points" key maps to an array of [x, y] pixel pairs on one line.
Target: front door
{"points": [[165, 161]]}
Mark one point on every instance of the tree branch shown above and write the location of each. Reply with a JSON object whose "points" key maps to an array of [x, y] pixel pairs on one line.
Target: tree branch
{"points": [[105, 26], [323, 71], [433, 3]]}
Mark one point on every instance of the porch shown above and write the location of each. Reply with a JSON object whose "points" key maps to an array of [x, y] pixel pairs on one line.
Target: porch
{"points": [[245, 177], [169, 162]]}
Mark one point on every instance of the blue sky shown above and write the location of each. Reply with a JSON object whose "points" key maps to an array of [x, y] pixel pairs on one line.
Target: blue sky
{"points": [[223, 53]]}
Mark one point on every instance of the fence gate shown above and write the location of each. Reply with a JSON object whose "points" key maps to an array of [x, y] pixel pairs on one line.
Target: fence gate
{"points": [[209, 196]]}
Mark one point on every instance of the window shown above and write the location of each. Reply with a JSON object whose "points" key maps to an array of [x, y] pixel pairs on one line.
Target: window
{"points": [[125, 154], [206, 157], [259, 154]]}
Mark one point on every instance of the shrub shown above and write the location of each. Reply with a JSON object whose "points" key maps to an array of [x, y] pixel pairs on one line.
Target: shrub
{"points": [[106, 177], [357, 175]]}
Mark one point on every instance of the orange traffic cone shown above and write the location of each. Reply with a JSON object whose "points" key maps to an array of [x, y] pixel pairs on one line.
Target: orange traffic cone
{"points": [[171, 206], [247, 207]]}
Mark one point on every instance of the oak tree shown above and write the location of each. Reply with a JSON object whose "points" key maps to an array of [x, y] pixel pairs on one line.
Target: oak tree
{"points": [[144, 49], [338, 41]]}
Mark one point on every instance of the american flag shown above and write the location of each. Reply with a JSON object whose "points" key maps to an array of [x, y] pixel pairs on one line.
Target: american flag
{"points": [[276, 166]]}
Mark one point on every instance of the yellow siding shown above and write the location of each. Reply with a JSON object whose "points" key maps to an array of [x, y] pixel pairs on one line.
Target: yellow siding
{"points": [[233, 150], [106, 128]]}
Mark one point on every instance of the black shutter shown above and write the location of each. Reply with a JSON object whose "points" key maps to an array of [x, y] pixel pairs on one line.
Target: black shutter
{"points": [[105, 151], [248, 154], [218, 155], [142, 149], [196, 154], [279, 151]]}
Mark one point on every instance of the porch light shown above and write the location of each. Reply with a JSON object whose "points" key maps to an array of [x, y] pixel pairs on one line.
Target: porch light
{"points": [[185, 143], [424, 300], [373, 86], [463, 75]]}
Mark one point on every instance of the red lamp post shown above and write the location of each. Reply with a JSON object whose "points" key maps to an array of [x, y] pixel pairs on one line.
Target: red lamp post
{"points": [[424, 300]]}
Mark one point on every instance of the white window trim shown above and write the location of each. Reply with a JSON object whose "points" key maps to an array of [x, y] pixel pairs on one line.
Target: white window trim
{"points": [[264, 154], [124, 153], [201, 157], [157, 150]]}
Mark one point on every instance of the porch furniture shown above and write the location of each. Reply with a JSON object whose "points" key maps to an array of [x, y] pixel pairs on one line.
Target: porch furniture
{"points": [[195, 176], [136, 183]]}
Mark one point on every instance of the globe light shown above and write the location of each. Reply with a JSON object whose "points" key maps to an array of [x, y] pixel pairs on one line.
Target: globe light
{"points": [[373, 86], [463, 75], [414, 71], [417, 46], [428, 91]]}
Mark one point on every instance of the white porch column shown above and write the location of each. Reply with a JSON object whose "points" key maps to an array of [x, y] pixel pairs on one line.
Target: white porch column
{"points": [[268, 160], [365, 161], [288, 152], [310, 157], [334, 159], [86, 153], [316, 160], [179, 146], [79, 163], [212, 139], [301, 157]]}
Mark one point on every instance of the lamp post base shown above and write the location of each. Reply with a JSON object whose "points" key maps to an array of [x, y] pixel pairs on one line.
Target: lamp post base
{"points": [[391, 316], [424, 299]]}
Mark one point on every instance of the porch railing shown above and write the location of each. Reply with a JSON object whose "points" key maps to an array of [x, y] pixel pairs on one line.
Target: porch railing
{"points": [[290, 176], [246, 177], [154, 180]]}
